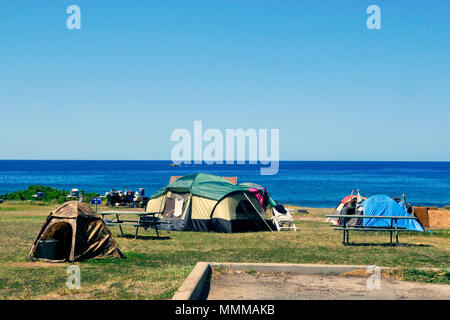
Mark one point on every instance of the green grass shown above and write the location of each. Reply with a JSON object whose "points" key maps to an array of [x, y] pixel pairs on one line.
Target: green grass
{"points": [[22, 206], [411, 274], [154, 269]]}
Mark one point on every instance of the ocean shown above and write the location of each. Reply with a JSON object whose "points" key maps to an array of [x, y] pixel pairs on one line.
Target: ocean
{"points": [[304, 183]]}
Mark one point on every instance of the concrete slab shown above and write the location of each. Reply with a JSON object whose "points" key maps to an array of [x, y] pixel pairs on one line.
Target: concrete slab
{"points": [[279, 286], [295, 281], [193, 287]]}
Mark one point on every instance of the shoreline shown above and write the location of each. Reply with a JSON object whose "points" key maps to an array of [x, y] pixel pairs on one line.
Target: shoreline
{"points": [[37, 204]]}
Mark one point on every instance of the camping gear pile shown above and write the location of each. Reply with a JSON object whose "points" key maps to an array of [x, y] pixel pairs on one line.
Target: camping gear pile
{"points": [[205, 202], [282, 217], [74, 194], [349, 205], [74, 232], [126, 199], [377, 205]]}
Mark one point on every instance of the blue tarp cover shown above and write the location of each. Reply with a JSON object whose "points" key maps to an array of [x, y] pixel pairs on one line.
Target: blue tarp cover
{"points": [[382, 205]]}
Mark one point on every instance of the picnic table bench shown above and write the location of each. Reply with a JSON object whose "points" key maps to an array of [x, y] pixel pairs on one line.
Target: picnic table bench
{"points": [[143, 220], [393, 228]]}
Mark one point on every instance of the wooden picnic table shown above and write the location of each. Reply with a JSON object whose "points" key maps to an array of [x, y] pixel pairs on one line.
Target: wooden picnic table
{"points": [[346, 228], [144, 220]]}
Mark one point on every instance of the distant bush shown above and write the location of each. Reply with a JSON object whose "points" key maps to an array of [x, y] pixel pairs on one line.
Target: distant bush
{"points": [[50, 194]]}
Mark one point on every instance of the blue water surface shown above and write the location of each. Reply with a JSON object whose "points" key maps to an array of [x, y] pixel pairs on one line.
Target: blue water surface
{"points": [[305, 183]]}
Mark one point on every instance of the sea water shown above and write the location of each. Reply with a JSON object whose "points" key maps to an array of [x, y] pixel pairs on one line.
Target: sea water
{"points": [[305, 183]]}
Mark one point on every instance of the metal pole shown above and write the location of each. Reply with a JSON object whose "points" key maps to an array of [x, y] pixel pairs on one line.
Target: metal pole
{"points": [[391, 230], [258, 212], [345, 227], [396, 231]]}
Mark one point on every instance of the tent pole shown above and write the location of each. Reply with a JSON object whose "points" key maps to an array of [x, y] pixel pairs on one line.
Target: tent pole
{"points": [[258, 212]]}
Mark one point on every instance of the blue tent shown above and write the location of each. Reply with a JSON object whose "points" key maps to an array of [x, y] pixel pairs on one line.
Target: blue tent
{"points": [[381, 205]]}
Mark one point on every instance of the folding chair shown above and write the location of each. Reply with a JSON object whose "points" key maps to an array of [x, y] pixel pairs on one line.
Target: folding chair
{"points": [[283, 222]]}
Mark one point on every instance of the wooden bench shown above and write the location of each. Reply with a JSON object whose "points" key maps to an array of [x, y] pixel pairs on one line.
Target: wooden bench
{"points": [[143, 220], [393, 228]]}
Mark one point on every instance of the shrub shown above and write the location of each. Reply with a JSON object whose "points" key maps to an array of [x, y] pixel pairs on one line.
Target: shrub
{"points": [[50, 194]]}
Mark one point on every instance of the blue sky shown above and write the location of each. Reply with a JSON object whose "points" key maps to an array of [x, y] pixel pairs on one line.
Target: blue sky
{"points": [[137, 70]]}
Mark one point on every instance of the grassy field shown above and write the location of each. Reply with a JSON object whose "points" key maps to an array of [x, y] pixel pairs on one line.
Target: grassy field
{"points": [[154, 269]]}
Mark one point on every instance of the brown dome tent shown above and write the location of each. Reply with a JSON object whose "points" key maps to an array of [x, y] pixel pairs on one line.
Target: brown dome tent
{"points": [[74, 232]]}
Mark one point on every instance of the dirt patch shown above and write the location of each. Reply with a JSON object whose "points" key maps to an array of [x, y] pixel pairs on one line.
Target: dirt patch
{"points": [[392, 274], [37, 264], [265, 286], [310, 218]]}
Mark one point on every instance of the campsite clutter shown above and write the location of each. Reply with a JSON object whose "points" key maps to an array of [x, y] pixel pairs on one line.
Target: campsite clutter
{"points": [[74, 232], [137, 219], [198, 202], [126, 198], [377, 213], [74, 194], [377, 205], [205, 202], [209, 203]]}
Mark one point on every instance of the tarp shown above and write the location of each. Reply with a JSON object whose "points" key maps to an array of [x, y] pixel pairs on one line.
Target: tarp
{"points": [[382, 205], [202, 185], [348, 198]]}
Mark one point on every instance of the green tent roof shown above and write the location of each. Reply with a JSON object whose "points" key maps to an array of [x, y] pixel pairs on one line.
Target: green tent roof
{"points": [[203, 185]]}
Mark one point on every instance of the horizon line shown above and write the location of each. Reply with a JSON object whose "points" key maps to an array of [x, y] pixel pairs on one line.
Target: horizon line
{"points": [[224, 161]]}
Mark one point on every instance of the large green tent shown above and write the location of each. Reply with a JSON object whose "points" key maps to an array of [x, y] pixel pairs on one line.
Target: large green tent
{"points": [[205, 202]]}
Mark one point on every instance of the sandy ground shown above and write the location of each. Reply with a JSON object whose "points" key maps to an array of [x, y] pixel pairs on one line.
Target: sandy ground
{"points": [[241, 286]]}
